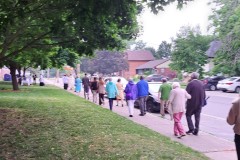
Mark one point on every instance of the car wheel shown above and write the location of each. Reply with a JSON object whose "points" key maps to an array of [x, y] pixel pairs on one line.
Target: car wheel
{"points": [[237, 90], [149, 105], [212, 88]]}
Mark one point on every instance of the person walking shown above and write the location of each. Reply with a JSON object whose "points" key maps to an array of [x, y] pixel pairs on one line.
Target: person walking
{"points": [[65, 82], [194, 105], [78, 82], [86, 85], [233, 118], [71, 82], [120, 95], [101, 91], [143, 91], [112, 92], [163, 95], [131, 93], [34, 79], [177, 103], [94, 88], [41, 80]]}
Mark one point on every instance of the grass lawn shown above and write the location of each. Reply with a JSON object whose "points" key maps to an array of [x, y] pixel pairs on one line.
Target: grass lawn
{"points": [[50, 123]]}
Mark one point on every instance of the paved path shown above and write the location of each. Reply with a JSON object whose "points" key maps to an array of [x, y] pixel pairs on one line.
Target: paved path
{"points": [[213, 147]]}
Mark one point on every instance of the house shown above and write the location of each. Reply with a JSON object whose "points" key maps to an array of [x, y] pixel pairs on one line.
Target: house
{"points": [[160, 66], [136, 58], [214, 47]]}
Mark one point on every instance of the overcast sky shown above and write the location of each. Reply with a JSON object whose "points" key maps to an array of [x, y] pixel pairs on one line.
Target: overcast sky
{"points": [[165, 25]]}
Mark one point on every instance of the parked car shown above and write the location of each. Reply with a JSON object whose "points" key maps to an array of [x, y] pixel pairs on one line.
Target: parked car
{"points": [[154, 78], [230, 84], [210, 83], [153, 103]]}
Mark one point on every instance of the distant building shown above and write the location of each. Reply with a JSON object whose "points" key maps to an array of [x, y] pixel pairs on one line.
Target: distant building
{"points": [[160, 66], [135, 59], [211, 52]]}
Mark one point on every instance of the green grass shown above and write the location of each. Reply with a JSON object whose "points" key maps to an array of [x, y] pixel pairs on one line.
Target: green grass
{"points": [[50, 123]]}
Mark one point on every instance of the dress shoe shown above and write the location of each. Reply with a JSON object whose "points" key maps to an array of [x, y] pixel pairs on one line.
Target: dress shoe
{"points": [[141, 114], [195, 133], [189, 132], [182, 135], [176, 135], [130, 115]]}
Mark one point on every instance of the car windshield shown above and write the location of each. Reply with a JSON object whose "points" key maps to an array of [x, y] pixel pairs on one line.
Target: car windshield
{"points": [[154, 87]]}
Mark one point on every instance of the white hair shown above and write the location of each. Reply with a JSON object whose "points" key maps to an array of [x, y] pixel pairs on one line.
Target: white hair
{"points": [[175, 84], [195, 75]]}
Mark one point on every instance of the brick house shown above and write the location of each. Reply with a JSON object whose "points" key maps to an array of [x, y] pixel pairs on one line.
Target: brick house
{"points": [[160, 66], [135, 59]]}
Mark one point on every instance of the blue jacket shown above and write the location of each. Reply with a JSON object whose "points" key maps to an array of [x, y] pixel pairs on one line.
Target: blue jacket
{"points": [[142, 87], [111, 90]]}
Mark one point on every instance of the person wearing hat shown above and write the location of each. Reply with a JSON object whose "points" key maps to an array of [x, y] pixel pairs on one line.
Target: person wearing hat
{"points": [[163, 95]]}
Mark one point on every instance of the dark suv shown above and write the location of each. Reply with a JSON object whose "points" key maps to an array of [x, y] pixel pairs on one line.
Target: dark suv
{"points": [[154, 78], [210, 83]]}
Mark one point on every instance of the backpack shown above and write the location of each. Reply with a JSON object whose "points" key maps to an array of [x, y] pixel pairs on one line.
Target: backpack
{"points": [[94, 85]]}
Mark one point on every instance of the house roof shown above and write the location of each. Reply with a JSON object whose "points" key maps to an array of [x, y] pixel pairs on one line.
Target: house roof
{"points": [[214, 47], [152, 64], [139, 55]]}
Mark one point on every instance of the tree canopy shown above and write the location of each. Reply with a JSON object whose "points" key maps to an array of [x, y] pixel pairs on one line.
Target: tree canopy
{"points": [[189, 50], [164, 50], [105, 62], [226, 21], [32, 28]]}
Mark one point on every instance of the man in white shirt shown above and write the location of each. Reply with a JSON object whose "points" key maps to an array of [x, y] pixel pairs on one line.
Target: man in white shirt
{"points": [[65, 82]]}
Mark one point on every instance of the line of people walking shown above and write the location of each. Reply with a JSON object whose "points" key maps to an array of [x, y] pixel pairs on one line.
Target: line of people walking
{"points": [[172, 98]]}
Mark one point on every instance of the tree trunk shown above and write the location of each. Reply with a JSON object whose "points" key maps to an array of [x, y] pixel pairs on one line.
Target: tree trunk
{"points": [[24, 71], [13, 68], [57, 76], [19, 71]]}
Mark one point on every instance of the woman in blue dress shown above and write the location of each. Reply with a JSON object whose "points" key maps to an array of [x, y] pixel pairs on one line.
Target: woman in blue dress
{"points": [[78, 83]]}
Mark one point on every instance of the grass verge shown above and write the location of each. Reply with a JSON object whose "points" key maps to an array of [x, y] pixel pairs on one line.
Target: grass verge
{"points": [[50, 123]]}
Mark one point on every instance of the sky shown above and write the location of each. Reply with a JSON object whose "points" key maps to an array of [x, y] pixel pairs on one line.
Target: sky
{"points": [[165, 25]]}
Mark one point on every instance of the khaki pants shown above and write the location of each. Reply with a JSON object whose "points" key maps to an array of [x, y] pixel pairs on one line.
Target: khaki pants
{"points": [[162, 107]]}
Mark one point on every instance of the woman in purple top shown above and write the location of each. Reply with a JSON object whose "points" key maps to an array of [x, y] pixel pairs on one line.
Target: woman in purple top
{"points": [[131, 95]]}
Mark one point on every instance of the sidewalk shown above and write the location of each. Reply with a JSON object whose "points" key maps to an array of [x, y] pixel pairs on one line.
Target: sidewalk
{"points": [[213, 147]]}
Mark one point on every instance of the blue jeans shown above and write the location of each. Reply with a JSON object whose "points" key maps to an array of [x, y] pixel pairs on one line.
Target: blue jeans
{"points": [[143, 104], [110, 103]]}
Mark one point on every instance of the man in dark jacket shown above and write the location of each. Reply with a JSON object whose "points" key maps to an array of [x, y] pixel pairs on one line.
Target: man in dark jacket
{"points": [[86, 85], [194, 105], [142, 87]]}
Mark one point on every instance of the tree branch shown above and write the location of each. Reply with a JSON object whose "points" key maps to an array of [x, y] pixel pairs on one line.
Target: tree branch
{"points": [[24, 47]]}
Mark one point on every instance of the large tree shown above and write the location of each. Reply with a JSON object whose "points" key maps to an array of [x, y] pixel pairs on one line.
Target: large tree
{"points": [[105, 62], [189, 50], [27, 26], [226, 21], [164, 50], [82, 25]]}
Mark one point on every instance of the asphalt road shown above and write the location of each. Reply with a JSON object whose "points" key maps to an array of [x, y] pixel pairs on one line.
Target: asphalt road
{"points": [[215, 112], [213, 117]]}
